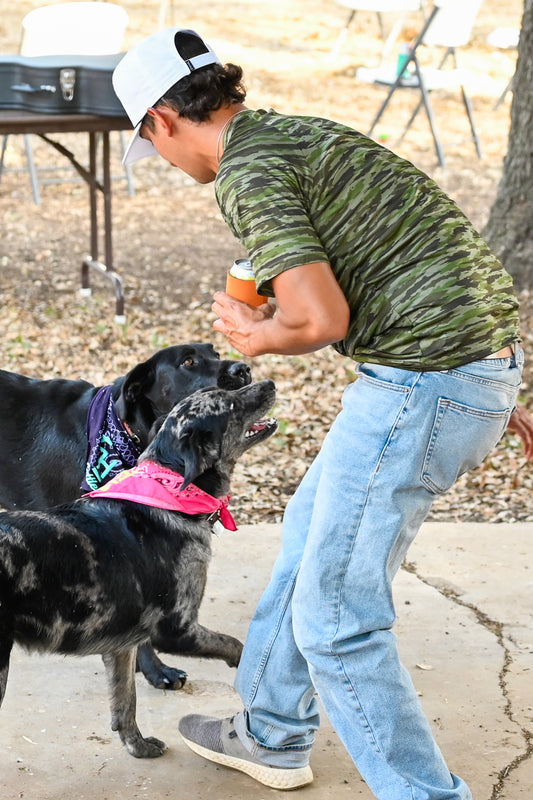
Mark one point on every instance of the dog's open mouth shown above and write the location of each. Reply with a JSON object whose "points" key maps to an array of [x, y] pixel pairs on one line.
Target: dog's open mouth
{"points": [[260, 430]]}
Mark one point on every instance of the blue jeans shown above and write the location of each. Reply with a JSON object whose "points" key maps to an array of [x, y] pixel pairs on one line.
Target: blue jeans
{"points": [[324, 622]]}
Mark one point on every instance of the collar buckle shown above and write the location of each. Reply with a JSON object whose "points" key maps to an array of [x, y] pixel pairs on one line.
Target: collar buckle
{"points": [[214, 517], [214, 520]]}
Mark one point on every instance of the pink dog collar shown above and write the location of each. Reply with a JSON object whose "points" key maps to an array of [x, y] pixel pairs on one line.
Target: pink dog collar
{"points": [[153, 485]]}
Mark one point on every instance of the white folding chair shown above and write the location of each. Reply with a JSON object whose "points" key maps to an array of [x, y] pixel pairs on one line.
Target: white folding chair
{"points": [[448, 27], [396, 9], [77, 28]]}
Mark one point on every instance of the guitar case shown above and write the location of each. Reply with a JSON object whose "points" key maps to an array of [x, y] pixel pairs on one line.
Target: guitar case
{"points": [[60, 84]]}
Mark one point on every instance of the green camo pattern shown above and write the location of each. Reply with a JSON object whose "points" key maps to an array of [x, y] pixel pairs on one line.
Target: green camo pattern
{"points": [[424, 289]]}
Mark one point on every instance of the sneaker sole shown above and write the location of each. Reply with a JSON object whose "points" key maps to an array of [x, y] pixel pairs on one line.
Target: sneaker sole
{"points": [[272, 777]]}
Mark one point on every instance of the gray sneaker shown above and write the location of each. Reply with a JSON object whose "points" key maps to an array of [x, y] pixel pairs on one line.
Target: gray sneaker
{"points": [[217, 740]]}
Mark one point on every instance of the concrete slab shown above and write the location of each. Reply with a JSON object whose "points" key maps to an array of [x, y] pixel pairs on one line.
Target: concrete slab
{"points": [[465, 633]]}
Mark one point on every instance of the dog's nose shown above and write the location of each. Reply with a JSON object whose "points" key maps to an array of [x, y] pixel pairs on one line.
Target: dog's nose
{"points": [[241, 372]]}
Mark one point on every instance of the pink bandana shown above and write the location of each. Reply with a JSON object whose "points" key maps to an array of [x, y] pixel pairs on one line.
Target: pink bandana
{"points": [[153, 485]]}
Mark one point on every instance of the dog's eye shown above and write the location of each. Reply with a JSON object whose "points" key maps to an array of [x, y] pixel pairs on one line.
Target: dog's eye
{"points": [[188, 362]]}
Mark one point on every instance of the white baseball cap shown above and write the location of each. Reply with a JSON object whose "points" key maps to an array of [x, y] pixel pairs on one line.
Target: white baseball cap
{"points": [[147, 72]]}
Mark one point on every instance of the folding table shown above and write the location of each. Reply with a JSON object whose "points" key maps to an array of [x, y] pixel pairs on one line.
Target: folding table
{"points": [[12, 122]]}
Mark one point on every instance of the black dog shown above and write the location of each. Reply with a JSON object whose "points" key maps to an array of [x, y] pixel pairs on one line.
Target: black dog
{"points": [[103, 575], [44, 427]]}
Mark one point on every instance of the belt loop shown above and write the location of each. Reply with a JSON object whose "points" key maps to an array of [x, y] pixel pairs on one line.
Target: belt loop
{"points": [[516, 347]]}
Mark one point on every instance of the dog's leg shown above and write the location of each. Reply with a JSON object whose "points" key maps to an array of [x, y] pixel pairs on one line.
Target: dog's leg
{"points": [[120, 669], [198, 641], [158, 674]]}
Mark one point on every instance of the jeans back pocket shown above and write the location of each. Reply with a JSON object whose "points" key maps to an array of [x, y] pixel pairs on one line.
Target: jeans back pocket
{"points": [[461, 437]]}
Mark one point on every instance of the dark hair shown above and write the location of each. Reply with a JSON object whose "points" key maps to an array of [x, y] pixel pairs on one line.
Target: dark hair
{"points": [[205, 90]]}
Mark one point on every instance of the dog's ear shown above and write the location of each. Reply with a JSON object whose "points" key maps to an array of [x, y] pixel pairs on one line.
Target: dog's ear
{"points": [[132, 387], [199, 445], [192, 455]]}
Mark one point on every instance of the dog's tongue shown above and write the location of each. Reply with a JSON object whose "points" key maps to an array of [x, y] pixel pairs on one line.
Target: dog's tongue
{"points": [[258, 426]]}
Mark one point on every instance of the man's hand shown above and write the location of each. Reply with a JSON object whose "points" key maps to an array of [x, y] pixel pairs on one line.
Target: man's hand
{"points": [[310, 312], [521, 423], [237, 320]]}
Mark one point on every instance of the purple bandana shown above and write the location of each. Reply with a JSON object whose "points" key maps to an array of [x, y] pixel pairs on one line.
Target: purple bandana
{"points": [[110, 448]]}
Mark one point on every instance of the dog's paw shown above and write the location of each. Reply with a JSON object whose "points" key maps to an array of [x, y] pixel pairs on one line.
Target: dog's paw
{"points": [[233, 655], [165, 677], [146, 748]]}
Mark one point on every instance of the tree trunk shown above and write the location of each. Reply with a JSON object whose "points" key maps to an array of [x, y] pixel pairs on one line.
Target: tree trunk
{"points": [[509, 230]]}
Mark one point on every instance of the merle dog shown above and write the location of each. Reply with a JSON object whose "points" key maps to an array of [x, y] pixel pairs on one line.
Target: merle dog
{"points": [[44, 436], [109, 571]]}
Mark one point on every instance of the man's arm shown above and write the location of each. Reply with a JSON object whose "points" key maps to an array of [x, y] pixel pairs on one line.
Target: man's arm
{"points": [[311, 312]]}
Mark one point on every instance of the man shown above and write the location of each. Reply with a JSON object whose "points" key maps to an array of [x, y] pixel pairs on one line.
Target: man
{"points": [[364, 252]]}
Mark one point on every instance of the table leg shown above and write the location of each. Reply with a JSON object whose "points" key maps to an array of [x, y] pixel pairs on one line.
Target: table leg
{"points": [[92, 261]]}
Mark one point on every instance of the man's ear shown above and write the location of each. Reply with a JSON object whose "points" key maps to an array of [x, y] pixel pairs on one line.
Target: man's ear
{"points": [[163, 117]]}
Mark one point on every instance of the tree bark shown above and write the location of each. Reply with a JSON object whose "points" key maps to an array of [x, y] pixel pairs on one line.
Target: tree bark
{"points": [[509, 230]]}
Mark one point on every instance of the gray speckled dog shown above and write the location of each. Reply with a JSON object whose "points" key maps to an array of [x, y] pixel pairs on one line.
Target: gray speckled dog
{"points": [[113, 570], [44, 435]]}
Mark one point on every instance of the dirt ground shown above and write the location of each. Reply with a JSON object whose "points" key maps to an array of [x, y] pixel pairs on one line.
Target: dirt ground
{"points": [[172, 248]]}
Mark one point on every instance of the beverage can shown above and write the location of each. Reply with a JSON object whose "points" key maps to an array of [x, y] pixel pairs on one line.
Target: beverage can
{"points": [[242, 269], [240, 283]]}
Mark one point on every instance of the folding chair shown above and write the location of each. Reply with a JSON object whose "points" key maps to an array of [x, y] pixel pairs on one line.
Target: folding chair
{"points": [[77, 28], [448, 26], [397, 8]]}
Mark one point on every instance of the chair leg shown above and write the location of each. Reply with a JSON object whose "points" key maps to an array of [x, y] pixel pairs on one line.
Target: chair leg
{"points": [[381, 23], [390, 40], [3, 155], [425, 102], [34, 179], [411, 120], [469, 113], [420, 102], [335, 50], [467, 104], [163, 7], [129, 180], [450, 51], [432, 125], [503, 95], [127, 167]]}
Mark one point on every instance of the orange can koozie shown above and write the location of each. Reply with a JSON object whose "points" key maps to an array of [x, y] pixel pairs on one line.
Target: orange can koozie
{"points": [[240, 283]]}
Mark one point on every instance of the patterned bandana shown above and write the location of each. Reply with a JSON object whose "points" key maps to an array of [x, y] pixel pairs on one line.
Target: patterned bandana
{"points": [[154, 485], [110, 448]]}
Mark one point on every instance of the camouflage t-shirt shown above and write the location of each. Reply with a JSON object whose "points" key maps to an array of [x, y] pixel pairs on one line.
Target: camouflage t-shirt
{"points": [[424, 289]]}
